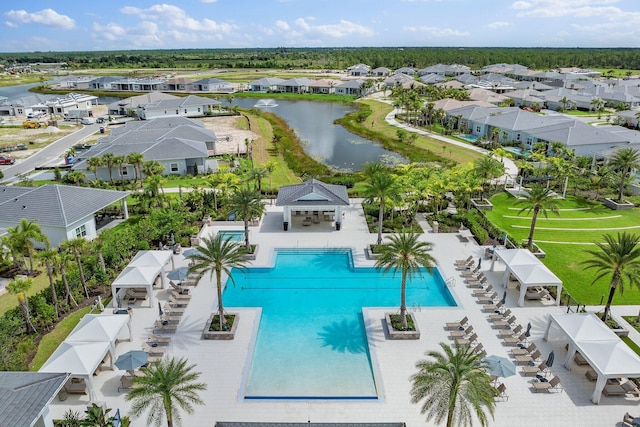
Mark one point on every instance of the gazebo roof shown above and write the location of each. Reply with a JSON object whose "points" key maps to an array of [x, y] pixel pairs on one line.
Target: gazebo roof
{"points": [[151, 259], [313, 193]]}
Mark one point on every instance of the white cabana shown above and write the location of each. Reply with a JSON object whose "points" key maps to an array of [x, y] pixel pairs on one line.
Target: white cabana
{"points": [[100, 327], [528, 270], [152, 259], [136, 277], [609, 356], [80, 359]]}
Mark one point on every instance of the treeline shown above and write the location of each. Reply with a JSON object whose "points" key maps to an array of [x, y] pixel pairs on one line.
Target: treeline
{"points": [[337, 58]]}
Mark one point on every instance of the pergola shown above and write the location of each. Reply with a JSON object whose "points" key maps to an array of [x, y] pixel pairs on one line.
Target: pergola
{"points": [[605, 352], [142, 272], [528, 270]]}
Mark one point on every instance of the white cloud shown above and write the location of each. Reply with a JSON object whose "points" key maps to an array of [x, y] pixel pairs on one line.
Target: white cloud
{"points": [[437, 32], [175, 18], [556, 8], [281, 25], [499, 24], [342, 29], [47, 17], [208, 1], [10, 24]]}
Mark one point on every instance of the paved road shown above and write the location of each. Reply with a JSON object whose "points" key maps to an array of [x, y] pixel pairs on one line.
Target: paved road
{"points": [[48, 154]]}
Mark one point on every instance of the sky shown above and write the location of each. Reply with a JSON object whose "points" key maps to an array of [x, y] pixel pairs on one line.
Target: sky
{"points": [[76, 25]]}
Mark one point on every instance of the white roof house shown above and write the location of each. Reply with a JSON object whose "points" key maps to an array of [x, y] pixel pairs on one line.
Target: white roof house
{"points": [[189, 106]]}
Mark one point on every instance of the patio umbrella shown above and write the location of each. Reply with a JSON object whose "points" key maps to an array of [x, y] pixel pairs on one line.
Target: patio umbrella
{"points": [[499, 366], [504, 298], [550, 358], [528, 331], [160, 312], [191, 251], [131, 360], [179, 273], [479, 262]]}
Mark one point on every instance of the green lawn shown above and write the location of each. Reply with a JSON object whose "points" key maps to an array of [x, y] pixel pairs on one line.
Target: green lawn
{"points": [[8, 301], [566, 237]]}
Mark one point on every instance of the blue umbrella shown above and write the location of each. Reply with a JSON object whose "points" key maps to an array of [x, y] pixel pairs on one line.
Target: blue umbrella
{"points": [[550, 358], [479, 262], [499, 366], [504, 298], [528, 332], [160, 312], [131, 360], [179, 273], [191, 251]]}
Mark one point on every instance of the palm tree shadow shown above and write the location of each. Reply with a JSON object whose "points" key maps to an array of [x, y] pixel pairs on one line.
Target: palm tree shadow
{"points": [[346, 336], [323, 263]]}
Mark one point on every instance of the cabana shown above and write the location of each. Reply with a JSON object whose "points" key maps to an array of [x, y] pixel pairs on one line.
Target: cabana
{"points": [[136, 277], [609, 356], [80, 359], [99, 328], [528, 270], [153, 259]]}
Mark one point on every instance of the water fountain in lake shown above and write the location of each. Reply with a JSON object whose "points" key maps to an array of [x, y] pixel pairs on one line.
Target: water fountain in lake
{"points": [[266, 103]]}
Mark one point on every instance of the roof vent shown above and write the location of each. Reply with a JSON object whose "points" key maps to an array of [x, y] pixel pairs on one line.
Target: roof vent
{"points": [[24, 207]]}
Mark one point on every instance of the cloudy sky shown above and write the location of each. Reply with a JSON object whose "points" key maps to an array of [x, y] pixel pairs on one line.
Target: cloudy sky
{"points": [[68, 25]]}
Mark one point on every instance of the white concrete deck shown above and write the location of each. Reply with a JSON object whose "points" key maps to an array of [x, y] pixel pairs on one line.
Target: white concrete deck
{"points": [[223, 363]]}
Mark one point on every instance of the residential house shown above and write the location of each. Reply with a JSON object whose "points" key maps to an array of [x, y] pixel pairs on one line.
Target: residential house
{"points": [[397, 79], [25, 105], [63, 212], [430, 79], [352, 87], [326, 86], [380, 72], [76, 82], [144, 84], [359, 70], [265, 84], [177, 84], [189, 106], [299, 85], [102, 83], [212, 85], [445, 70], [406, 70], [63, 105], [123, 106]]}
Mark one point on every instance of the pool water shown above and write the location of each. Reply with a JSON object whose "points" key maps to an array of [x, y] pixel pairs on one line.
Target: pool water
{"points": [[470, 138], [518, 151], [234, 235], [311, 342]]}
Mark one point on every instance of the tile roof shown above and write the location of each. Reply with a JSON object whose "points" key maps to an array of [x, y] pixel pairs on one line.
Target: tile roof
{"points": [[54, 205], [187, 101], [312, 193], [24, 396]]}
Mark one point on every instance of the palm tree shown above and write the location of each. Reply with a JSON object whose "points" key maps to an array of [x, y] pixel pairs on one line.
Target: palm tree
{"points": [[61, 263], [120, 160], [246, 203], [487, 168], [539, 198], [48, 257], [618, 256], [76, 177], [136, 160], [257, 175], [152, 167], [565, 102], [624, 160], [20, 287], [93, 163], [108, 160], [76, 247], [164, 389], [405, 253], [454, 386], [382, 186], [215, 257], [28, 232]]}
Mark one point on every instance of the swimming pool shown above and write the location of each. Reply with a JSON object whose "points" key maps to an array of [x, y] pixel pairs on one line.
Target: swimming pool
{"points": [[311, 342], [518, 151], [234, 235], [470, 138]]}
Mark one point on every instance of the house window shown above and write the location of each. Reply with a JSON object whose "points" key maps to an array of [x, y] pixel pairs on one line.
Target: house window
{"points": [[198, 109], [529, 140], [81, 231], [177, 111], [478, 129], [174, 167], [124, 171], [185, 111], [518, 137]]}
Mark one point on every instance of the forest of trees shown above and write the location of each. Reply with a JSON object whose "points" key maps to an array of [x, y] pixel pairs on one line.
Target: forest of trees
{"points": [[337, 58]]}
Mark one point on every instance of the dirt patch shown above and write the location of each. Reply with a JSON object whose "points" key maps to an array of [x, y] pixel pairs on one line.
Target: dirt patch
{"points": [[231, 139]]}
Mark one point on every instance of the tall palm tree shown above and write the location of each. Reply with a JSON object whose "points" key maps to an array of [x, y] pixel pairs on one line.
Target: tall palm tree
{"points": [[20, 287], [29, 232], [136, 160], [453, 386], [61, 264], [108, 160], [246, 203], [406, 254], [76, 248], [382, 186], [166, 388], [618, 256], [48, 258], [487, 168], [93, 163], [218, 255], [152, 167], [624, 160], [120, 160], [257, 175], [539, 199]]}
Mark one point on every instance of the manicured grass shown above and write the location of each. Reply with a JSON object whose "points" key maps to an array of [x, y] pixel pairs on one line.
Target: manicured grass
{"points": [[52, 340], [9, 301], [565, 249]]}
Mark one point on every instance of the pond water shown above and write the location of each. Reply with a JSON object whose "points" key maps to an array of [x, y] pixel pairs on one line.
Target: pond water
{"points": [[328, 143]]}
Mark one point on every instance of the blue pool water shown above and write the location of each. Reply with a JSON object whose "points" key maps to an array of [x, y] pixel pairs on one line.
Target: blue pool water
{"points": [[311, 342], [518, 151], [235, 235], [470, 138]]}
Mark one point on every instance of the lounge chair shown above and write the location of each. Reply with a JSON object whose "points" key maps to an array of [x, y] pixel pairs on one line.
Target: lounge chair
{"points": [[591, 375], [455, 325], [461, 334], [180, 297], [524, 350], [164, 327], [500, 316], [467, 341], [171, 318], [622, 387], [478, 348], [528, 358], [580, 360], [307, 221], [493, 307], [159, 339], [487, 299], [154, 351], [471, 273], [173, 302], [464, 262], [480, 292], [501, 392], [168, 308], [627, 420], [503, 333], [125, 383], [504, 323], [513, 341], [536, 294], [532, 370], [476, 282], [552, 384], [76, 386]]}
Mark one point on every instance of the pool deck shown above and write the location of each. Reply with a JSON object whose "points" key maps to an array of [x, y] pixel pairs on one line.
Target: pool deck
{"points": [[223, 363]]}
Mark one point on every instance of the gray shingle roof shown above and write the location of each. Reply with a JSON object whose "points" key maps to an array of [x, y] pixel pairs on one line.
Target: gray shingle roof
{"points": [[309, 424], [188, 101], [55, 205], [312, 193], [25, 395]]}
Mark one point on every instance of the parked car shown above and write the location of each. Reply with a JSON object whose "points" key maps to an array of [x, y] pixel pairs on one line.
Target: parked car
{"points": [[6, 160]]}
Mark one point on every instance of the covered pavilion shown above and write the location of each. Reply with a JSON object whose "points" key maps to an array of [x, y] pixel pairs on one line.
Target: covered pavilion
{"points": [[142, 272]]}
